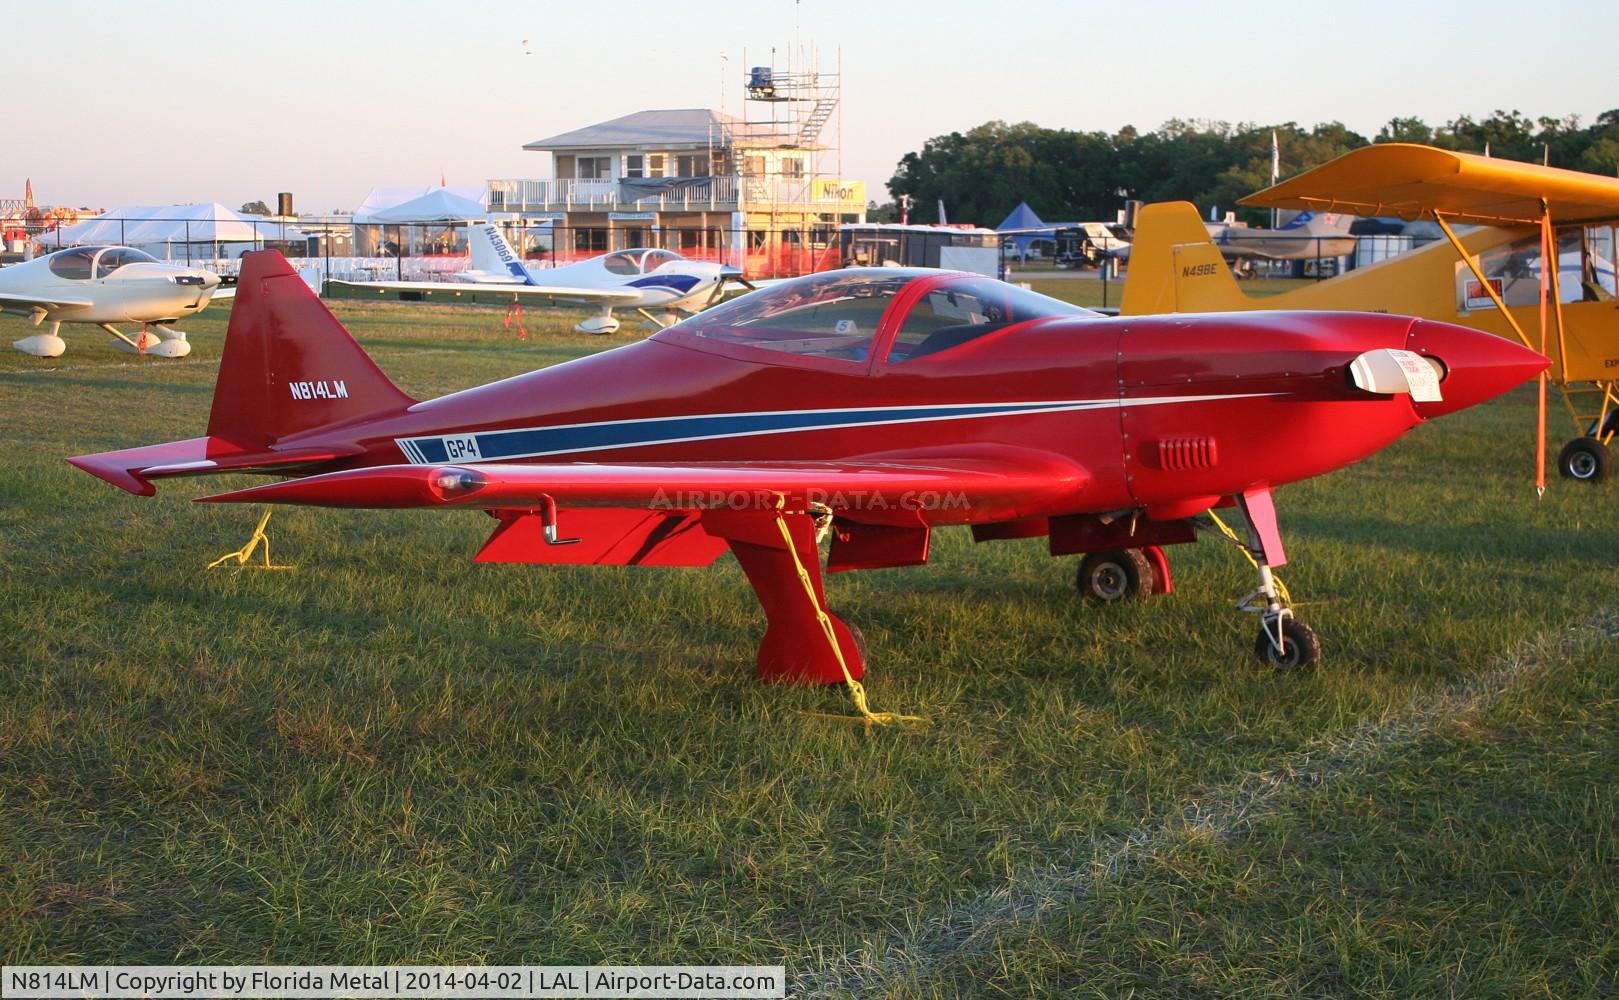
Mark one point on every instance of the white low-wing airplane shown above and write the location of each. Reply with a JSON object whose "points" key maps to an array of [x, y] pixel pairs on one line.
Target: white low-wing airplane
{"points": [[106, 285], [643, 280]]}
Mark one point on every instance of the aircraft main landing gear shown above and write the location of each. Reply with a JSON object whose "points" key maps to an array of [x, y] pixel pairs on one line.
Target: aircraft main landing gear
{"points": [[172, 344], [43, 345], [1585, 459], [1115, 575], [601, 324]]}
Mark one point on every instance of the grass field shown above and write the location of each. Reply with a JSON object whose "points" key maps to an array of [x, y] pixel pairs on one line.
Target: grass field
{"points": [[390, 754]]}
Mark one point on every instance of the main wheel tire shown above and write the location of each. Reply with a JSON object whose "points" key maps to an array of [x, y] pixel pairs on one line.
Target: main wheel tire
{"points": [[1300, 647], [1116, 575], [1585, 459]]}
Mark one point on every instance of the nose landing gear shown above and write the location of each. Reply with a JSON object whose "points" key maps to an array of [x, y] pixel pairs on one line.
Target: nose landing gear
{"points": [[1284, 643]]}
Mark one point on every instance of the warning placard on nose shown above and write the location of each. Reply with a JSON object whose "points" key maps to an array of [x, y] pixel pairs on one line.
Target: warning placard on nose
{"points": [[1394, 371], [1420, 375]]}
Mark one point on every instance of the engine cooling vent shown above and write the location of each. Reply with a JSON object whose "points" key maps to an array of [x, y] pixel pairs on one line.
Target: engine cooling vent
{"points": [[1180, 453]]}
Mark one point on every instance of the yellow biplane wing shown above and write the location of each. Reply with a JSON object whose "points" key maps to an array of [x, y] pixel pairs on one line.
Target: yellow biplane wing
{"points": [[1411, 181]]}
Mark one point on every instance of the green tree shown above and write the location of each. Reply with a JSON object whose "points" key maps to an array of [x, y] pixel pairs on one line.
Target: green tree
{"points": [[1405, 130], [982, 174]]}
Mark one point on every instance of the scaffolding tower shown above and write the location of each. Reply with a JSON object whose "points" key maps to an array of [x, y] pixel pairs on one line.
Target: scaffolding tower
{"points": [[787, 140]]}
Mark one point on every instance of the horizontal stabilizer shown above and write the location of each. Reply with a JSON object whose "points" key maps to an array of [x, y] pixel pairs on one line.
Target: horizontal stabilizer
{"points": [[133, 469]]}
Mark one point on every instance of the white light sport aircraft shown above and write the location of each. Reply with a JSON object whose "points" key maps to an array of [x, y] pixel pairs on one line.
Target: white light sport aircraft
{"points": [[106, 285], [643, 280]]}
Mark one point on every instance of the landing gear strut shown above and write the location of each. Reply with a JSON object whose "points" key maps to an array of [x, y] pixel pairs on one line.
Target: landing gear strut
{"points": [[1284, 642]]}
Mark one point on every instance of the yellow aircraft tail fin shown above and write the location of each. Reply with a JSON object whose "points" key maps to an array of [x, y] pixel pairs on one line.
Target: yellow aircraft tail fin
{"points": [[1175, 267]]}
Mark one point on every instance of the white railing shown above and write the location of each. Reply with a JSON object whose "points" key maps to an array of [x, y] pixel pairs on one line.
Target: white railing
{"points": [[524, 195]]}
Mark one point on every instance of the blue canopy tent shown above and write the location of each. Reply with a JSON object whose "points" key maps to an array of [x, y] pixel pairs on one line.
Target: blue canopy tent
{"points": [[1023, 218]]}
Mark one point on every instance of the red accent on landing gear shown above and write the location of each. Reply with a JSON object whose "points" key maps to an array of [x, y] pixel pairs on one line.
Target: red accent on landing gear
{"points": [[1261, 512], [794, 649], [1161, 582]]}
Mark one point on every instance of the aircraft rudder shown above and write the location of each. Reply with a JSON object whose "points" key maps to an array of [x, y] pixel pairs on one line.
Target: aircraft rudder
{"points": [[1175, 266], [492, 253], [289, 365]]}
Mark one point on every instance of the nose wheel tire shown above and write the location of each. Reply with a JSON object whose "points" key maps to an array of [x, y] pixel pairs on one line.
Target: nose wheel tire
{"points": [[1585, 459], [1116, 575], [1300, 648]]}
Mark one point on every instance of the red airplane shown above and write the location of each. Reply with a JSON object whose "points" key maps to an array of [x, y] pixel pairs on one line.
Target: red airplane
{"points": [[871, 404]]}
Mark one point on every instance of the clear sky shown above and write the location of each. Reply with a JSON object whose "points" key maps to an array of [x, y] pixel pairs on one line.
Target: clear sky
{"points": [[154, 102]]}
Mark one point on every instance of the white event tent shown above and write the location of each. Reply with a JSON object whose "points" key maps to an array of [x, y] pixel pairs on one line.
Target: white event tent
{"points": [[408, 218], [205, 229], [437, 205], [387, 199]]}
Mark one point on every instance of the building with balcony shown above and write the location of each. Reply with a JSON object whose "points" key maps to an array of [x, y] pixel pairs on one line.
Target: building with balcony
{"points": [[695, 180]]}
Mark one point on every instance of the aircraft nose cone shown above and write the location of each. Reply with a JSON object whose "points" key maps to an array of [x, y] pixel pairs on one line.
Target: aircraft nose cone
{"points": [[1478, 366]]}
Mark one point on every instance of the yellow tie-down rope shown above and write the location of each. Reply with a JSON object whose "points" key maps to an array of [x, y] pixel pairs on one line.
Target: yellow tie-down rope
{"points": [[1281, 588], [857, 691], [243, 554]]}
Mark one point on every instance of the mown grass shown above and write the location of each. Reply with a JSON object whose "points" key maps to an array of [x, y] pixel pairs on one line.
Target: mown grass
{"points": [[390, 754]]}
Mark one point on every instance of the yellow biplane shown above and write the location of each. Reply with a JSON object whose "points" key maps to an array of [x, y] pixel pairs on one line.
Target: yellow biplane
{"points": [[1490, 278]]}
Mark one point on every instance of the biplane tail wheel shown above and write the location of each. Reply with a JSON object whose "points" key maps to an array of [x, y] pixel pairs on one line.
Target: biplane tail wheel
{"points": [[1300, 648], [1116, 575], [1585, 459]]}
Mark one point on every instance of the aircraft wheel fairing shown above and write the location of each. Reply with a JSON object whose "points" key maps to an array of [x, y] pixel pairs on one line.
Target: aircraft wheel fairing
{"points": [[1586, 460], [170, 349], [1300, 647], [598, 325], [1116, 575], [41, 345], [156, 348]]}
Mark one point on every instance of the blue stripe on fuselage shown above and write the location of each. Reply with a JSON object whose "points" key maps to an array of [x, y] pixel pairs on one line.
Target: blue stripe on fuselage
{"points": [[680, 284], [530, 442]]}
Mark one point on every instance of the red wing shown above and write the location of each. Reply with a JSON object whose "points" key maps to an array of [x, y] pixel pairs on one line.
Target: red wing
{"points": [[984, 484]]}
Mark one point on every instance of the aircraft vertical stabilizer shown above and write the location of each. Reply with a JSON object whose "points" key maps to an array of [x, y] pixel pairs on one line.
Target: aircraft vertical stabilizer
{"points": [[1175, 267], [289, 365], [492, 254]]}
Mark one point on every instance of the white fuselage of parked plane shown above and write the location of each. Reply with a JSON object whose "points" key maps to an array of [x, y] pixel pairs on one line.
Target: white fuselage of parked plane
{"points": [[644, 279], [105, 285]]}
